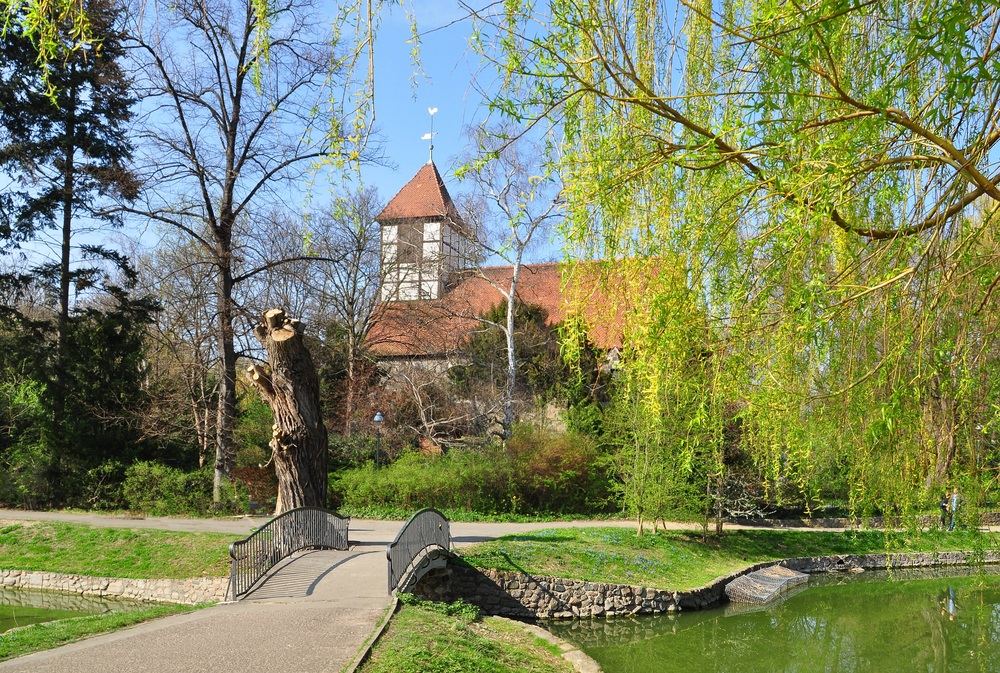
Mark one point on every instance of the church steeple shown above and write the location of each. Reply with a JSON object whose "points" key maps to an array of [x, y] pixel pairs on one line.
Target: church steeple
{"points": [[424, 238], [424, 196], [430, 136]]}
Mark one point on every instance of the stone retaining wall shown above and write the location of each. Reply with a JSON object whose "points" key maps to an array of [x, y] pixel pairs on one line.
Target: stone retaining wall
{"points": [[187, 592], [524, 596], [854, 562]]}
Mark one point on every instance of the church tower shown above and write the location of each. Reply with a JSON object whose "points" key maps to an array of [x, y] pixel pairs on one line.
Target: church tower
{"points": [[424, 239]]}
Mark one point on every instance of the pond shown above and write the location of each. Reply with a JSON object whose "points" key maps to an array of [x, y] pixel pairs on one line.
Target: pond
{"points": [[838, 623], [21, 607]]}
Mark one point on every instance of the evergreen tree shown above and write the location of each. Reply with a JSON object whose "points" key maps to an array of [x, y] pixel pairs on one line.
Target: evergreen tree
{"points": [[67, 152], [69, 450], [75, 370]]}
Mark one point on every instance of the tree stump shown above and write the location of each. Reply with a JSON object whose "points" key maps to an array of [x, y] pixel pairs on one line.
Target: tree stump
{"points": [[299, 442]]}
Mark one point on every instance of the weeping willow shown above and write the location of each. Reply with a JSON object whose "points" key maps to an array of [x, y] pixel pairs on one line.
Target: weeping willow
{"points": [[820, 179], [56, 27]]}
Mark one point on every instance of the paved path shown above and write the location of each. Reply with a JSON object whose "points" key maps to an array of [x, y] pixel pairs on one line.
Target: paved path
{"points": [[310, 616], [361, 531]]}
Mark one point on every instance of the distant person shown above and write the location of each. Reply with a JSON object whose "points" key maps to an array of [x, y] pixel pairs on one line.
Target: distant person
{"points": [[945, 507]]}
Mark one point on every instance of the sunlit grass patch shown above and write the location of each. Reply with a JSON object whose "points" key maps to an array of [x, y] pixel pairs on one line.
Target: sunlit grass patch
{"points": [[37, 637], [681, 559], [437, 638], [54, 546]]}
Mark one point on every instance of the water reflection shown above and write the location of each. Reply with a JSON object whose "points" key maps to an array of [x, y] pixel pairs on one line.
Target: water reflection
{"points": [[21, 607], [840, 624]]}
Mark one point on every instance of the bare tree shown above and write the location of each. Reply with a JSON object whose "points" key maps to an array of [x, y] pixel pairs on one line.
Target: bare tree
{"points": [[339, 298], [347, 231], [522, 199], [181, 345], [225, 134]]}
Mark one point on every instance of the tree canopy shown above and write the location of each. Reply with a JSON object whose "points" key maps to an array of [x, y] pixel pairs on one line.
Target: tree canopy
{"points": [[825, 175]]}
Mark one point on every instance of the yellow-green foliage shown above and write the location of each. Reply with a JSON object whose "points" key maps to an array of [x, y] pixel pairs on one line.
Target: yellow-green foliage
{"points": [[820, 182]]}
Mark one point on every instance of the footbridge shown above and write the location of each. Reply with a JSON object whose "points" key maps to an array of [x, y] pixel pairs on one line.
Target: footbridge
{"points": [[308, 592], [424, 542]]}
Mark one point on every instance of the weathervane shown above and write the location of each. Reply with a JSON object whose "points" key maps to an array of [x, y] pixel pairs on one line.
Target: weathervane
{"points": [[430, 136]]}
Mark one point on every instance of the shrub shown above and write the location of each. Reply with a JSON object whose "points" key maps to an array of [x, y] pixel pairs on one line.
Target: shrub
{"points": [[461, 479], [102, 487], [556, 472], [158, 490], [253, 431], [26, 459], [354, 450], [538, 472], [26, 476]]}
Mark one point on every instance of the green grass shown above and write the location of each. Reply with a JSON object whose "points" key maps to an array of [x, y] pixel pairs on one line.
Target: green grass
{"points": [[38, 637], [425, 638], [104, 552], [113, 552], [680, 560]]}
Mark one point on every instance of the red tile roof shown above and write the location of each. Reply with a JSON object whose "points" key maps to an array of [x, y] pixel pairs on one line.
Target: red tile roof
{"points": [[423, 197], [433, 328]]}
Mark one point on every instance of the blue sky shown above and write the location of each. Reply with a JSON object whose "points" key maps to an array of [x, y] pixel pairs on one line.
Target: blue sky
{"points": [[449, 66], [453, 77], [448, 82]]}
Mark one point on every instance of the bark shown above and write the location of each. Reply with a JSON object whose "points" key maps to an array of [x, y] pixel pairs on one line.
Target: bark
{"points": [[508, 393], [351, 386], [68, 196], [225, 446], [291, 388]]}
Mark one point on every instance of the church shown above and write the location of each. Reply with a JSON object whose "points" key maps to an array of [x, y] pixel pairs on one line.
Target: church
{"points": [[432, 293]]}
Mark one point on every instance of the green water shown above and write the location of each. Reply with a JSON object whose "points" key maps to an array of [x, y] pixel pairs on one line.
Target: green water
{"points": [[837, 625], [13, 616], [19, 607]]}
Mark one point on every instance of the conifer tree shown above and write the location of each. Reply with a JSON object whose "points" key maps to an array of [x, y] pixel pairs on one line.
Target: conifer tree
{"points": [[65, 150], [67, 153]]}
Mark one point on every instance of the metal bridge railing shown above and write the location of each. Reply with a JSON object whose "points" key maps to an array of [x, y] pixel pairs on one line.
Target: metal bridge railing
{"points": [[278, 539], [427, 529]]}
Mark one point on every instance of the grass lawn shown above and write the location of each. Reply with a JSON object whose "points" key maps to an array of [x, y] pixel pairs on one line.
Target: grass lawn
{"points": [[38, 637], [429, 638], [435, 638], [52, 546], [680, 560]]}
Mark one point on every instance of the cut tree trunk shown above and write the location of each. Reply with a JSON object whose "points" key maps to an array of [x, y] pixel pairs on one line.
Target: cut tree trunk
{"points": [[291, 388]]}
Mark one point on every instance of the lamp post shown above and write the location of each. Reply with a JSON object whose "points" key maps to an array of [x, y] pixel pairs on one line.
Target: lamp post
{"points": [[378, 438]]}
